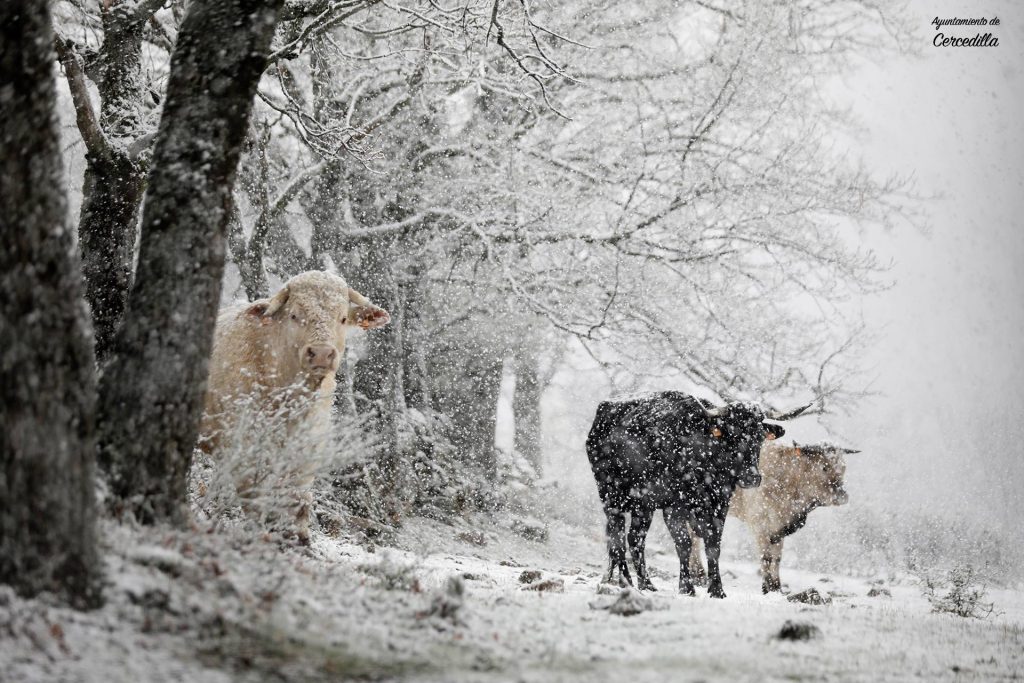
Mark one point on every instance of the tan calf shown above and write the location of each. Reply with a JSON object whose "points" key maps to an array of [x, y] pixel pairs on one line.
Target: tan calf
{"points": [[795, 480]]}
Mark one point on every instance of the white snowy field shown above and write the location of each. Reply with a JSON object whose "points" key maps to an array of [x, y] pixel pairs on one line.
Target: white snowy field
{"points": [[224, 606]]}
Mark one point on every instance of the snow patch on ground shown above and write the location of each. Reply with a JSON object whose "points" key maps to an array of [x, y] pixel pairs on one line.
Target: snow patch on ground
{"points": [[447, 604]]}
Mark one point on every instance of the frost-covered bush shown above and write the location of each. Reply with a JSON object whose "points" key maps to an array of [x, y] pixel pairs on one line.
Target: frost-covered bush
{"points": [[392, 573], [263, 471], [432, 478], [428, 478], [957, 592]]}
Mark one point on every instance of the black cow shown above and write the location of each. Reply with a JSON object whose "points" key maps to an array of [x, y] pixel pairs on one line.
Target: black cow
{"points": [[683, 455]]}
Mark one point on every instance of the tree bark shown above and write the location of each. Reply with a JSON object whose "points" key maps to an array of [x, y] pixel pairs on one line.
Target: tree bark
{"points": [[115, 172], [415, 342], [469, 373], [526, 407], [111, 193], [378, 376], [47, 377], [151, 393]]}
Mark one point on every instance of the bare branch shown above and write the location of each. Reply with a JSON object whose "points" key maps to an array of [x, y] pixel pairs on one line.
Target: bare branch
{"points": [[88, 124]]}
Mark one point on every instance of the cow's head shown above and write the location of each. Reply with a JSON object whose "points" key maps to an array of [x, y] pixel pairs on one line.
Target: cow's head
{"points": [[310, 317], [824, 470], [742, 429]]}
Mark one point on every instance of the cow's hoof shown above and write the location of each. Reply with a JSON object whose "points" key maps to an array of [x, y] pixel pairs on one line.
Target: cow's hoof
{"points": [[770, 587], [645, 585], [716, 592]]}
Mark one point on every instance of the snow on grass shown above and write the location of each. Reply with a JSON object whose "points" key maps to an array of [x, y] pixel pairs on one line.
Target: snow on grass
{"points": [[228, 605]]}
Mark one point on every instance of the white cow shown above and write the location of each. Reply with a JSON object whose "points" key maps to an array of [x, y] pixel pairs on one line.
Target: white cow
{"points": [[283, 351]]}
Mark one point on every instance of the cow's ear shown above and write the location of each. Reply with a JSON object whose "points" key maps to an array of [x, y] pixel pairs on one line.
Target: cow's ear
{"points": [[772, 431], [257, 309], [368, 317]]}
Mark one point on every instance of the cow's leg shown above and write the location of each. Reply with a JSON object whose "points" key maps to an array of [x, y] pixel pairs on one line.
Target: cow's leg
{"points": [[713, 549], [675, 520], [697, 573], [616, 534], [771, 558], [639, 525]]}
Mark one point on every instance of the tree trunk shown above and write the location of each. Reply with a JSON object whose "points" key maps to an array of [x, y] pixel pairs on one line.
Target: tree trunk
{"points": [[106, 236], [470, 372], [526, 407], [151, 393], [415, 342], [114, 174], [47, 377], [378, 376]]}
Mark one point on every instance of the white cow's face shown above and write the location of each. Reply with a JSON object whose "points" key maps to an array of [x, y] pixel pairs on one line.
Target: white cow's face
{"points": [[309, 319]]}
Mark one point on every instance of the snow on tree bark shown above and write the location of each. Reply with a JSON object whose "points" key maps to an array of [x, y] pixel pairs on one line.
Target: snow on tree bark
{"points": [[378, 376], [526, 407], [47, 379], [151, 393], [115, 167]]}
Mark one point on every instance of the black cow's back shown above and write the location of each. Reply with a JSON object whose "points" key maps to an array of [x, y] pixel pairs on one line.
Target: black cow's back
{"points": [[649, 448]]}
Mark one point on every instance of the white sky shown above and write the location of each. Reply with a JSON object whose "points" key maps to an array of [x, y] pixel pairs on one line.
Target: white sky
{"points": [[948, 360], [944, 432]]}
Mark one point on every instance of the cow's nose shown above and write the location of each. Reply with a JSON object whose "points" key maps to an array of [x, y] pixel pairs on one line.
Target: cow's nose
{"points": [[320, 357], [841, 497]]}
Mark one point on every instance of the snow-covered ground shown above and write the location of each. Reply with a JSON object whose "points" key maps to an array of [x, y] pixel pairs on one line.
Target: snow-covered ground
{"points": [[225, 605]]}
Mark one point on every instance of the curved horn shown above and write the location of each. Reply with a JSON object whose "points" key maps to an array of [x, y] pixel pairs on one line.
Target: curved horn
{"points": [[848, 450], [716, 412], [790, 415], [357, 298], [276, 302]]}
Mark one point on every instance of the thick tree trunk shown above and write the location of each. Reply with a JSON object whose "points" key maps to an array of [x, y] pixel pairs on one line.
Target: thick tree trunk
{"points": [[47, 380], [526, 407], [469, 373], [106, 236], [151, 393], [475, 412], [378, 376]]}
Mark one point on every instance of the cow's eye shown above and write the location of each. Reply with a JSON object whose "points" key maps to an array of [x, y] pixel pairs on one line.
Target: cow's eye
{"points": [[344, 319], [295, 318]]}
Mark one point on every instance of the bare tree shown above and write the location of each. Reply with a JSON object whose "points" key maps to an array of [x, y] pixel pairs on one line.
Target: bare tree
{"points": [[47, 381], [151, 392]]}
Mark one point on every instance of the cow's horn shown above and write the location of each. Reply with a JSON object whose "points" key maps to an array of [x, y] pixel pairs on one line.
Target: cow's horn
{"points": [[716, 412], [357, 298], [848, 450], [276, 302], [779, 417]]}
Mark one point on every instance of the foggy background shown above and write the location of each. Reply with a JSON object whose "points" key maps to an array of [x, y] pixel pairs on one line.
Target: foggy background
{"points": [[942, 437]]}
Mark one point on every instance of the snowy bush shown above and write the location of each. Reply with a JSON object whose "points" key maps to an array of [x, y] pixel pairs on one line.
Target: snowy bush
{"points": [[266, 471], [432, 478], [958, 592], [392, 573]]}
